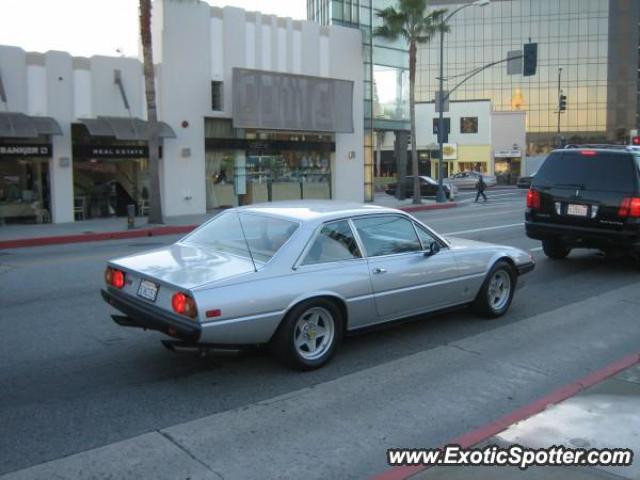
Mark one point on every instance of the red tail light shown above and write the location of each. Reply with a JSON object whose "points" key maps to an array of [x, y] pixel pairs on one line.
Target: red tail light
{"points": [[114, 277], [183, 304], [533, 199], [629, 207], [588, 153]]}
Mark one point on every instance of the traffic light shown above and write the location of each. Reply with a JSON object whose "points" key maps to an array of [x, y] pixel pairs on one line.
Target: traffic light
{"points": [[563, 103], [530, 59]]}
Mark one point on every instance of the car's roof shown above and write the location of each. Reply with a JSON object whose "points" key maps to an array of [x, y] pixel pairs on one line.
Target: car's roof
{"points": [[613, 149], [309, 210]]}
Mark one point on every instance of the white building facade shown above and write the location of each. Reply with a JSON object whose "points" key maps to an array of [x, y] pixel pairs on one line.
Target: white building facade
{"points": [[253, 108], [478, 139]]}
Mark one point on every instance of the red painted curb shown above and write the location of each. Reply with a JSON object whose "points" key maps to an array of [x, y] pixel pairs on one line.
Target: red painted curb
{"points": [[434, 206], [96, 237], [473, 437]]}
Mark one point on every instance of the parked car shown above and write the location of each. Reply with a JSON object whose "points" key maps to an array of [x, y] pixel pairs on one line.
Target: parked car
{"points": [[469, 179], [428, 187], [586, 198], [297, 276], [525, 181]]}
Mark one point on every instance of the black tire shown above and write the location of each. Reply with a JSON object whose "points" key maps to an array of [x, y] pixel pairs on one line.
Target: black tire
{"points": [[283, 343], [484, 303], [555, 249]]}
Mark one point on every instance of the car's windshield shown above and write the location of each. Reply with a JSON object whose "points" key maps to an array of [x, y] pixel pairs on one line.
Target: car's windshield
{"points": [[236, 233]]}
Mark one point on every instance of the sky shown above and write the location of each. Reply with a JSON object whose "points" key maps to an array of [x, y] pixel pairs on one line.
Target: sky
{"points": [[98, 27]]}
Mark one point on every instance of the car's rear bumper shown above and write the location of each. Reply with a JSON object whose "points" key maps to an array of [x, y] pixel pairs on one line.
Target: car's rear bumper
{"points": [[143, 315], [582, 236]]}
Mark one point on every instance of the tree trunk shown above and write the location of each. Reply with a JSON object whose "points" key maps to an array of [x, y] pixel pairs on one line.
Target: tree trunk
{"points": [[155, 202], [417, 197]]}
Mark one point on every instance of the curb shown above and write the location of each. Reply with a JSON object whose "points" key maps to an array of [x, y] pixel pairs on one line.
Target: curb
{"points": [[96, 237], [150, 232], [432, 206], [473, 437]]}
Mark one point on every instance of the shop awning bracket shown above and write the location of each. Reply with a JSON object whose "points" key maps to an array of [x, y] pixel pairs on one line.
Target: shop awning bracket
{"points": [[3, 93], [117, 79]]}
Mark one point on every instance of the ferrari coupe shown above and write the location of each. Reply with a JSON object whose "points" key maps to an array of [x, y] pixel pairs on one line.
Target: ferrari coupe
{"points": [[298, 276]]}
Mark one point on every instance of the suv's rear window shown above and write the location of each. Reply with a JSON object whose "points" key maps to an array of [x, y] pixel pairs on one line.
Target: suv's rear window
{"points": [[603, 171]]}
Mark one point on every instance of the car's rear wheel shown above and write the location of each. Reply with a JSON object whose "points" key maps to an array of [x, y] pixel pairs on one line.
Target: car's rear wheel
{"points": [[309, 334], [496, 293], [555, 249]]}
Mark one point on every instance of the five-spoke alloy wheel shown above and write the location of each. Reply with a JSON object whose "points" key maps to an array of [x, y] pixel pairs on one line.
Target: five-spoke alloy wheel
{"points": [[496, 293], [309, 334]]}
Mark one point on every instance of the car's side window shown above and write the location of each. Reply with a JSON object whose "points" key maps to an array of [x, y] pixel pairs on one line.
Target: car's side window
{"points": [[333, 243], [426, 239], [387, 235]]}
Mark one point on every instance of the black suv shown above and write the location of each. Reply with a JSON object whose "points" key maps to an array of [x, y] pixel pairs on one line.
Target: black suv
{"points": [[586, 198]]}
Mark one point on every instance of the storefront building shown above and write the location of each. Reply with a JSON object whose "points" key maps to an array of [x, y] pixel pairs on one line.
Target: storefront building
{"points": [[469, 145], [253, 108]]}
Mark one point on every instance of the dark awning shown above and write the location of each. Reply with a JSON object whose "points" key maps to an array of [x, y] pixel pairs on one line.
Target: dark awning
{"points": [[123, 128], [19, 125]]}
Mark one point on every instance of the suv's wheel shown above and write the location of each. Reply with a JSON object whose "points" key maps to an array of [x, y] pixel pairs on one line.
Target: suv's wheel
{"points": [[555, 249], [309, 334], [496, 293]]}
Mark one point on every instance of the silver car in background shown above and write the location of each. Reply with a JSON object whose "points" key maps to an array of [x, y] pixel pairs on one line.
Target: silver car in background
{"points": [[299, 275], [469, 180]]}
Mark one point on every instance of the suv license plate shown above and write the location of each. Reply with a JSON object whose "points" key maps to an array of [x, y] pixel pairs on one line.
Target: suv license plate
{"points": [[148, 290], [577, 210]]}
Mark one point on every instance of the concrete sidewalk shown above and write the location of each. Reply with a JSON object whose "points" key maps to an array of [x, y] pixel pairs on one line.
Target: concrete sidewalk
{"points": [[606, 415], [114, 228]]}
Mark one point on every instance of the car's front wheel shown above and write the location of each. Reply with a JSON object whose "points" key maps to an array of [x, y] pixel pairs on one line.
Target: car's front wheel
{"points": [[309, 334], [496, 293], [555, 249]]}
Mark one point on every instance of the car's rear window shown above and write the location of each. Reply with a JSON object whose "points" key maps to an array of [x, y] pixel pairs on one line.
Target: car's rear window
{"points": [[605, 171], [236, 233]]}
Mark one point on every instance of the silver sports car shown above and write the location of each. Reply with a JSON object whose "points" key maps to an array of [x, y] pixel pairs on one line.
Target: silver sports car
{"points": [[299, 275]]}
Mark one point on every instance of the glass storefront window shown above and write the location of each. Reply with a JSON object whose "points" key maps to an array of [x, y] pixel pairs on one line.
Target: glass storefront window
{"points": [[24, 190], [391, 93]]}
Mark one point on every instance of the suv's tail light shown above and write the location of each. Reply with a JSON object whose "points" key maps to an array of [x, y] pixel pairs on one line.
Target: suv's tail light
{"points": [[183, 304], [533, 199], [114, 277], [629, 207]]}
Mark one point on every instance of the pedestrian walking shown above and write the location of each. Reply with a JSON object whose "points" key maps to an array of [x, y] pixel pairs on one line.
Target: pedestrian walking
{"points": [[481, 186]]}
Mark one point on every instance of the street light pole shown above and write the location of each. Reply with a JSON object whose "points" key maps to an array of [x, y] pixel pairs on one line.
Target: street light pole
{"points": [[440, 195]]}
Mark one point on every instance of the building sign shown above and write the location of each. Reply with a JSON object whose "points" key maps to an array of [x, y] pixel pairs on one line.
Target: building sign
{"points": [[267, 147], [25, 150], [111, 151], [279, 101], [508, 154], [450, 151]]}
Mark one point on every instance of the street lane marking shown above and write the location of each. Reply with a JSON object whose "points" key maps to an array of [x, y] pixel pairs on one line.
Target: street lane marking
{"points": [[486, 229]]}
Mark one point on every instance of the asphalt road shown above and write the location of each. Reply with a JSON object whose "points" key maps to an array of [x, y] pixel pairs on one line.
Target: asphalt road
{"points": [[71, 380]]}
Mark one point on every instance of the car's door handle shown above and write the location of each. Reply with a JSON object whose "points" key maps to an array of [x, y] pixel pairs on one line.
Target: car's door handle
{"points": [[379, 270]]}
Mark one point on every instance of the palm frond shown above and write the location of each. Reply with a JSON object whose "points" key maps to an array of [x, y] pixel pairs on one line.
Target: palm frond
{"points": [[393, 23]]}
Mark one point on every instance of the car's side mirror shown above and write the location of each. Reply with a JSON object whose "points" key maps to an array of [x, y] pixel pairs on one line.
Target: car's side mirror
{"points": [[433, 249]]}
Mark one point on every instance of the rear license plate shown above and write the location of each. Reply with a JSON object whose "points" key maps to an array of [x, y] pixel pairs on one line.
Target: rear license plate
{"points": [[577, 210], [148, 290]]}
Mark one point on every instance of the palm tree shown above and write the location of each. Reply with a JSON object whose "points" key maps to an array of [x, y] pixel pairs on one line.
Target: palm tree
{"points": [[155, 205], [411, 21]]}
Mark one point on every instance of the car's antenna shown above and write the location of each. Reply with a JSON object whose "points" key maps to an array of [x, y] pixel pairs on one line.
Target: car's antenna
{"points": [[255, 269]]}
